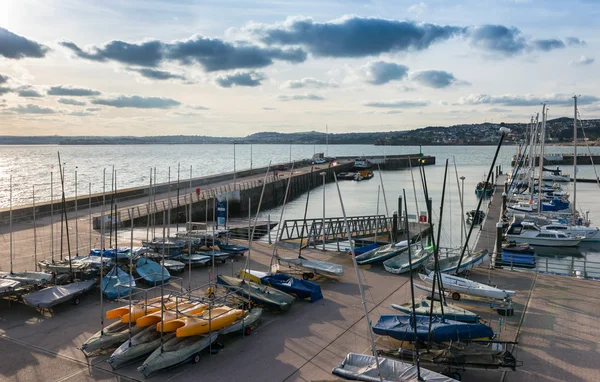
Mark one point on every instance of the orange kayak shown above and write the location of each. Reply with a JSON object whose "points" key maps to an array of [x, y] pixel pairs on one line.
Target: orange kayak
{"points": [[152, 305], [215, 319], [170, 313], [174, 323]]}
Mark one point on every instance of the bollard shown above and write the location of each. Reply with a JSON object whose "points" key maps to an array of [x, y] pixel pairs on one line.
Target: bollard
{"points": [[394, 226], [400, 206], [503, 203]]}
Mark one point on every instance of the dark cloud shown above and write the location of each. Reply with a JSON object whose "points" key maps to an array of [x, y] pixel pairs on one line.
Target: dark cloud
{"points": [[497, 39], [72, 91], [574, 41], [92, 109], [137, 102], [525, 100], [354, 36], [300, 97], [211, 53], [17, 47], [81, 113], [308, 82], [380, 72], [547, 45], [30, 93], [434, 78], [32, 109], [4, 78], [240, 79], [197, 107], [396, 104], [156, 74], [5, 90], [71, 101]]}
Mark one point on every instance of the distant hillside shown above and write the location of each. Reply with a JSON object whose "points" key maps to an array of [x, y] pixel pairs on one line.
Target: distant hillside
{"points": [[558, 130]]}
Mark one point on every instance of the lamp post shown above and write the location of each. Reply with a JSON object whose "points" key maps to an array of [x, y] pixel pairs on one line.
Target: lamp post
{"points": [[234, 175], [462, 209], [323, 224]]}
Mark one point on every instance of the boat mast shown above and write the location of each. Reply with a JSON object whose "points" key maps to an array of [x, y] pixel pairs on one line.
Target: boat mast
{"points": [[412, 176], [574, 159], [130, 272], [10, 235], [377, 217], [112, 199], [76, 217], [102, 250], [34, 231], [541, 160], [532, 155], [90, 213], [360, 285], [149, 208], [169, 206], [177, 220], [285, 196], [52, 213], [310, 180], [64, 213]]}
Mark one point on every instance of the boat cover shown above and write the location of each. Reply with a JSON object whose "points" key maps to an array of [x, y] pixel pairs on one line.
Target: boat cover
{"points": [[176, 351], [28, 278], [400, 327], [195, 258], [262, 294], [361, 367], [51, 296], [363, 249], [7, 286], [121, 253], [151, 272], [314, 265], [113, 334], [140, 345], [399, 263], [249, 319], [237, 249], [173, 265], [379, 254], [291, 285], [116, 283], [423, 308], [449, 264]]}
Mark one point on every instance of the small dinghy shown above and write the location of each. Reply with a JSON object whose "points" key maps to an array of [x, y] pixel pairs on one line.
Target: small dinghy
{"points": [[235, 249], [361, 367], [48, 297], [195, 259], [119, 253], [93, 262], [151, 272], [116, 283], [260, 294], [112, 335], [400, 264], [460, 285], [244, 325], [524, 260], [423, 308], [177, 351], [142, 344], [311, 267], [524, 249], [401, 328], [302, 289], [380, 254], [363, 249], [8, 286], [217, 255], [173, 266], [60, 267], [448, 265], [28, 278]]}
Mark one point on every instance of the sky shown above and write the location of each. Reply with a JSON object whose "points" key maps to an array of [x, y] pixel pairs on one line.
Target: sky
{"points": [[236, 67]]}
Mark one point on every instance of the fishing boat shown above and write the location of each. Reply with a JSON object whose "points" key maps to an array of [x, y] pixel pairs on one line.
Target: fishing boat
{"points": [[481, 186], [177, 351], [362, 367], [402, 328], [424, 308], [245, 325], [528, 232], [151, 272], [140, 345], [195, 259], [400, 264], [264, 295], [460, 285], [116, 283], [28, 278], [380, 254], [311, 267], [51, 296], [111, 335], [449, 264], [301, 289]]}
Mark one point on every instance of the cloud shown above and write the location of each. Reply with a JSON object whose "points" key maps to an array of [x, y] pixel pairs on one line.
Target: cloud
{"points": [[498, 110], [497, 38], [353, 36], [436, 79], [72, 91], [396, 104], [300, 97], [240, 79], [28, 91], [418, 9], [211, 53], [197, 107], [187, 114], [574, 41], [4, 78], [71, 101], [81, 113], [17, 47], [92, 109], [583, 60], [269, 108], [548, 44], [381, 72], [308, 82], [5, 90], [32, 109], [137, 102], [155, 74], [525, 100]]}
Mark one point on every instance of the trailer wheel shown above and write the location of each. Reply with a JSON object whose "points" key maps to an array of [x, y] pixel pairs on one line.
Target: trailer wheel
{"points": [[468, 272], [223, 261], [311, 275], [248, 331], [305, 276], [76, 301], [455, 296], [456, 376], [196, 358]]}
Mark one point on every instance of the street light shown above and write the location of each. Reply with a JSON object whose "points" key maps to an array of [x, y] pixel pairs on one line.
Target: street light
{"points": [[462, 210], [323, 229]]}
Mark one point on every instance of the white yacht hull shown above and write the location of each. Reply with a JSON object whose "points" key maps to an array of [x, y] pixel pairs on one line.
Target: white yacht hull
{"points": [[543, 242]]}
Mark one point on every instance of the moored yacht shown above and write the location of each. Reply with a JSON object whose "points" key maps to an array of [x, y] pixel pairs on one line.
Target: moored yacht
{"points": [[528, 232]]}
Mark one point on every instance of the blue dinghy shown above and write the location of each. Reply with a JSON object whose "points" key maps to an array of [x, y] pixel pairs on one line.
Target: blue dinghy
{"points": [[116, 283], [151, 272], [300, 288], [235, 249], [120, 253], [363, 249], [400, 327]]}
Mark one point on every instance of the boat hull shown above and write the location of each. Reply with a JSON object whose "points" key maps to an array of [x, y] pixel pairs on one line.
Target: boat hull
{"points": [[544, 242]]}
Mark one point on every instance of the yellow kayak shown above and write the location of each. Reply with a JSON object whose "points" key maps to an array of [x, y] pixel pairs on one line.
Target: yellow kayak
{"points": [[170, 313], [218, 319], [139, 309], [171, 325]]}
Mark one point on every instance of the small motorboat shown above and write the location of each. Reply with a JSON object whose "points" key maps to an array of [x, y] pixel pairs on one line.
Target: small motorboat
{"points": [[264, 295], [481, 186], [522, 248], [423, 308], [475, 218], [529, 232], [152, 272]]}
